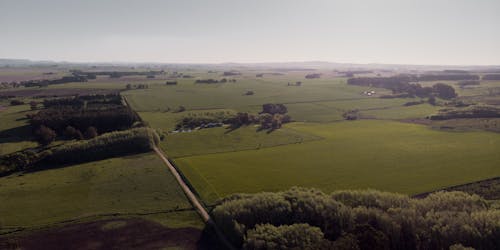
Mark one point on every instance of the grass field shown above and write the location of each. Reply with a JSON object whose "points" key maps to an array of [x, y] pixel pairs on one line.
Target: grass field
{"points": [[385, 155], [231, 95], [15, 134], [217, 140], [133, 186]]}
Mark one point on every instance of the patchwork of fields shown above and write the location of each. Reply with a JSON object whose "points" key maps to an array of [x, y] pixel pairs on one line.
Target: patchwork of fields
{"points": [[320, 148]]}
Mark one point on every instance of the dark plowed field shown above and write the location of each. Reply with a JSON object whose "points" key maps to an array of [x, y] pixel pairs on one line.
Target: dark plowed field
{"points": [[107, 234]]}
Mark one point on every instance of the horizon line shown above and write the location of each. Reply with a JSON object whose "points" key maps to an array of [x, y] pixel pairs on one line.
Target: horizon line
{"points": [[243, 63]]}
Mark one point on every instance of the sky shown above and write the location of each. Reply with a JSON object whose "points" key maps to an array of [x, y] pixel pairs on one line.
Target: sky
{"points": [[450, 32]]}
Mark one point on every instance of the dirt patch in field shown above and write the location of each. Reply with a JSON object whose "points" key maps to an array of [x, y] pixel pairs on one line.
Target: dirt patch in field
{"points": [[54, 92], [106, 234]]}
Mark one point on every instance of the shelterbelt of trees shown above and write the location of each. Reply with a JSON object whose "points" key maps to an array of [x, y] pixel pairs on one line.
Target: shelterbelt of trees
{"points": [[46, 82], [476, 111], [302, 218], [102, 113], [113, 144]]}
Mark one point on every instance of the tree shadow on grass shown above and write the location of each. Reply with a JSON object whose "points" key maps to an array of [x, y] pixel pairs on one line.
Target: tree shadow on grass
{"points": [[17, 134]]}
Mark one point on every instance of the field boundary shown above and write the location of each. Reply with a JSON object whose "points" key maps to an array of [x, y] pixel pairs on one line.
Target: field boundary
{"points": [[193, 199], [450, 188]]}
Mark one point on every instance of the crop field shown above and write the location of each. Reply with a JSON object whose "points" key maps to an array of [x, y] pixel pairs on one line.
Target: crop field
{"points": [[133, 186], [385, 155]]}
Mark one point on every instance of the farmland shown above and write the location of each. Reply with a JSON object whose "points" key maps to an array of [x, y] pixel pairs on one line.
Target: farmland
{"points": [[134, 186], [389, 145], [391, 156]]}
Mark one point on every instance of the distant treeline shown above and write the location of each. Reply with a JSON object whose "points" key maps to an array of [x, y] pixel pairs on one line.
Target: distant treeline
{"points": [[211, 81], [402, 85], [491, 77], [45, 82], [116, 74], [445, 77], [80, 101], [313, 76], [303, 218], [231, 73], [108, 145], [476, 111]]}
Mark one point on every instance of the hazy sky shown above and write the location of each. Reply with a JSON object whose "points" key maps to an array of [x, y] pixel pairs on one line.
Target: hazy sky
{"points": [[369, 31]]}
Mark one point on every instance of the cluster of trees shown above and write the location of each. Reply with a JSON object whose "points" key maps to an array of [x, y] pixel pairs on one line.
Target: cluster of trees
{"points": [[107, 145], [231, 73], [136, 86], [475, 111], [446, 77], [401, 86], [80, 101], [81, 117], [310, 219], [272, 109], [351, 115], [491, 77], [272, 117], [104, 118], [212, 81], [171, 83], [313, 76], [196, 120]]}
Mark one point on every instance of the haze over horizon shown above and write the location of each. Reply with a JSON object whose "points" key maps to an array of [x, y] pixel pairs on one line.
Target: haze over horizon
{"points": [[442, 32]]}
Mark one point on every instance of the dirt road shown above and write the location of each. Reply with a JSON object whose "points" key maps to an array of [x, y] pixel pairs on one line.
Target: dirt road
{"points": [[193, 199]]}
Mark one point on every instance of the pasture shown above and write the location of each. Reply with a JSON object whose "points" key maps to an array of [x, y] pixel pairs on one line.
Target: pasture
{"points": [[385, 155], [137, 186]]}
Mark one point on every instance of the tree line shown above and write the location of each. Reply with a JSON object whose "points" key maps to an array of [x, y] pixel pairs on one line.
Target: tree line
{"points": [[475, 111], [212, 81], [303, 218], [117, 74], [46, 82], [107, 145], [104, 112], [401, 86]]}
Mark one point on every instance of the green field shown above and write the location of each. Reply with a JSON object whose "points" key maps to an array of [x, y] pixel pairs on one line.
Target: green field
{"points": [[133, 186], [217, 140], [385, 155], [15, 134]]}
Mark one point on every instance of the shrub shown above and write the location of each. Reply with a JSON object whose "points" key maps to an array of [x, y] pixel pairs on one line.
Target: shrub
{"points": [[91, 132], [16, 102], [45, 135], [72, 133]]}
